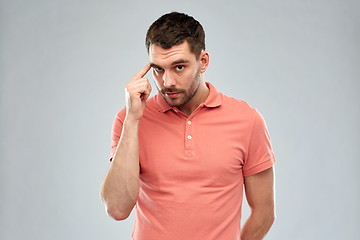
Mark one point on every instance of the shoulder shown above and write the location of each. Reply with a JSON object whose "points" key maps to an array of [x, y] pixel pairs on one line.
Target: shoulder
{"points": [[245, 112], [238, 106]]}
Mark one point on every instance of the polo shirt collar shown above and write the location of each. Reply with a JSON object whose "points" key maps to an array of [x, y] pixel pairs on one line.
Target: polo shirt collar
{"points": [[213, 100]]}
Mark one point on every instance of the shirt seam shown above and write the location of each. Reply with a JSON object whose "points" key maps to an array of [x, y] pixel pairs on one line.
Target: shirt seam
{"points": [[269, 159], [251, 135]]}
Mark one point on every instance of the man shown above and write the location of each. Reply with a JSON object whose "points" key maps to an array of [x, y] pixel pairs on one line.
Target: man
{"points": [[183, 156]]}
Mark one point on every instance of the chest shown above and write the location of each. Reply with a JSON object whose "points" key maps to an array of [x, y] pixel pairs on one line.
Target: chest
{"points": [[200, 150]]}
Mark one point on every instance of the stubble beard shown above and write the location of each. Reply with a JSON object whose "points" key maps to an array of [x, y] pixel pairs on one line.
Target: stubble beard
{"points": [[188, 94]]}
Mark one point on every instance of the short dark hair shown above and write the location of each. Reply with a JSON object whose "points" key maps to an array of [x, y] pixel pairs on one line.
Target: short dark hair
{"points": [[173, 29]]}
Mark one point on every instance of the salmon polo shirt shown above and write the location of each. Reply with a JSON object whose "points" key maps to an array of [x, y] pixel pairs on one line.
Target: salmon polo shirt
{"points": [[192, 168]]}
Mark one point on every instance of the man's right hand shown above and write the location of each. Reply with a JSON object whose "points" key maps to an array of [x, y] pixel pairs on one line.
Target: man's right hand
{"points": [[120, 188], [137, 92]]}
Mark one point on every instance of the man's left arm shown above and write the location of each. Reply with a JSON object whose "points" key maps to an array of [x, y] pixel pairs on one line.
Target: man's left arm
{"points": [[259, 190]]}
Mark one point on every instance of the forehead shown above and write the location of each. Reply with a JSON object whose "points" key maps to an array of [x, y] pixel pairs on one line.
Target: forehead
{"points": [[161, 56]]}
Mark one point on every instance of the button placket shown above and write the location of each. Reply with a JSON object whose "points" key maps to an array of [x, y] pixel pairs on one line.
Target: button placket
{"points": [[189, 139]]}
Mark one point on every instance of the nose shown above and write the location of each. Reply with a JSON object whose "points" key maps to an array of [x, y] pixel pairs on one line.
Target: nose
{"points": [[169, 80]]}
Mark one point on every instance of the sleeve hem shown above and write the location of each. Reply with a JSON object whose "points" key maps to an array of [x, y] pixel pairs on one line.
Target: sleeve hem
{"points": [[260, 167]]}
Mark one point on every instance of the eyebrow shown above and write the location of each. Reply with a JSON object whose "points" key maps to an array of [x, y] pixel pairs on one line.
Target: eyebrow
{"points": [[153, 65], [180, 61]]}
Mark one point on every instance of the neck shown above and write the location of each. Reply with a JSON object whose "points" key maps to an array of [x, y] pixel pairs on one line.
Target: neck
{"points": [[199, 98]]}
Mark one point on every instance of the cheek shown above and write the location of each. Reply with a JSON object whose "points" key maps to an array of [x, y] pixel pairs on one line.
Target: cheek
{"points": [[186, 78], [194, 74]]}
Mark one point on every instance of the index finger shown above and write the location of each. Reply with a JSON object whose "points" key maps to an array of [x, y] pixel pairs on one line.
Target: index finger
{"points": [[143, 71]]}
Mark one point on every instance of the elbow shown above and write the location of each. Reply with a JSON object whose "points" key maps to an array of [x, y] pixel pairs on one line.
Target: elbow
{"points": [[113, 210], [117, 214], [265, 216], [117, 207], [270, 218], [269, 215]]}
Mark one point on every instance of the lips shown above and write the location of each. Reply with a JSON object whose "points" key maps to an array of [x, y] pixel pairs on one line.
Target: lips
{"points": [[172, 94]]}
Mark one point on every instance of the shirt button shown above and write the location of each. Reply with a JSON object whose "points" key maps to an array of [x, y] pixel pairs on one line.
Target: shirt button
{"points": [[175, 110], [189, 137], [189, 122]]}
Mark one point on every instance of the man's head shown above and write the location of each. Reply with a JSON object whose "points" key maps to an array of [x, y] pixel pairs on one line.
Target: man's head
{"points": [[173, 29], [176, 47]]}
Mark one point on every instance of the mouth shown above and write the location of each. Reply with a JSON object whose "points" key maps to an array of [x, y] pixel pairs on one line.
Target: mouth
{"points": [[172, 94]]}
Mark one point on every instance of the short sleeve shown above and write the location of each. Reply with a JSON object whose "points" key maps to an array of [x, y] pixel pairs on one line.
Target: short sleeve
{"points": [[260, 154], [116, 131]]}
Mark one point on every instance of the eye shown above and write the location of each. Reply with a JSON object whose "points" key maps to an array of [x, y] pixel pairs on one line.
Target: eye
{"points": [[179, 67], [159, 69]]}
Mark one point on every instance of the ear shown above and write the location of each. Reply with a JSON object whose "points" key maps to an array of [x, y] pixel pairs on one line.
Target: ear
{"points": [[204, 61]]}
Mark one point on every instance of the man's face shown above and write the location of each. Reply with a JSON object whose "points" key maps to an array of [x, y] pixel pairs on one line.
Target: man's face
{"points": [[176, 72]]}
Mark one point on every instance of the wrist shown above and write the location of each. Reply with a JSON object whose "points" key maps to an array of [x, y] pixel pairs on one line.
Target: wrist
{"points": [[131, 120]]}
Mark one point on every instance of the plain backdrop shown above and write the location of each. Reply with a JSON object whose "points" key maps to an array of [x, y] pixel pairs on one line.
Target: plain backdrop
{"points": [[63, 66]]}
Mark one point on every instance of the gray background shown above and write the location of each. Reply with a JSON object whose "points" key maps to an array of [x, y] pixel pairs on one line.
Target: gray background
{"points": [[63, 67]]}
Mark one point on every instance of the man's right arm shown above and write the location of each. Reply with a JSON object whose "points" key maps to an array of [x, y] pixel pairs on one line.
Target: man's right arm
{"points": [[120, 187]]}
